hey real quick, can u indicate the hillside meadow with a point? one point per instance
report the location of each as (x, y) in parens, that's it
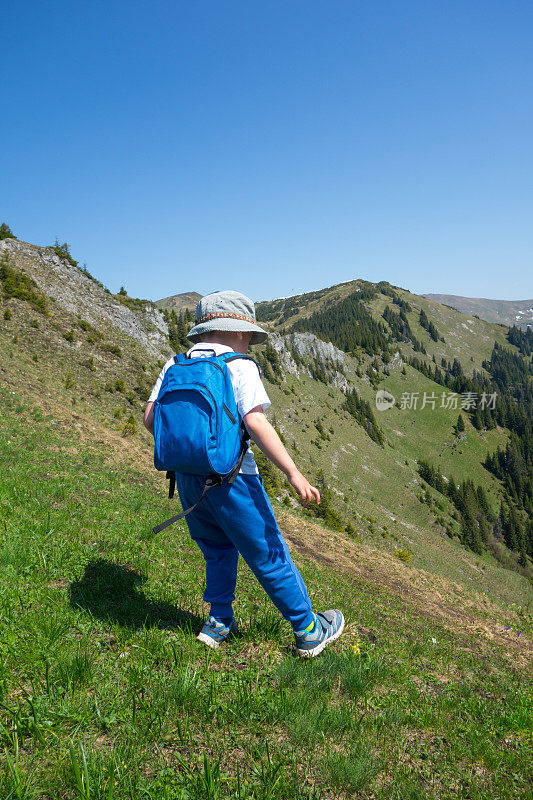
(105, 692)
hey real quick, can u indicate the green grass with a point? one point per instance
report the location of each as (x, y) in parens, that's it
(105, 692)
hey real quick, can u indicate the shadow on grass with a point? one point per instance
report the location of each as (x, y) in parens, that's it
(113, 592)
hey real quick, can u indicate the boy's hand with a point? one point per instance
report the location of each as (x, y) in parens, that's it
(307, 492)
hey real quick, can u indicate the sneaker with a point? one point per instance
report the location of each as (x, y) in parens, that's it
(329, 626)
(215, 632)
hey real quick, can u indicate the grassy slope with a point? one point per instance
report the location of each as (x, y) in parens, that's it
(353, 476)
(143, 698)
(97, 651)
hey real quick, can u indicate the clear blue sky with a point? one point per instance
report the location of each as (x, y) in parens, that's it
(273, 146)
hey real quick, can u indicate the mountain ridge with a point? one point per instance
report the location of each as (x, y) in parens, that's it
(504, 312)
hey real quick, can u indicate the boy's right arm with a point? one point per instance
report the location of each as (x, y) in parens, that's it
(149, 417)
(149, 410)
(266, 438)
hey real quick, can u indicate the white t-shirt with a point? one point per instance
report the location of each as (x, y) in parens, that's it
(247, 387)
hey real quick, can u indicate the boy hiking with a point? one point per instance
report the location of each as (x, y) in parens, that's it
(237, 518)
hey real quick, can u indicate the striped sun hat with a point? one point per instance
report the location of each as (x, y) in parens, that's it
(226, 311)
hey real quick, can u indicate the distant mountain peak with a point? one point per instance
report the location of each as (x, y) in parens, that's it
(504, 312)
(179, 302)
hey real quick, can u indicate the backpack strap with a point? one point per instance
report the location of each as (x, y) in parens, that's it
(212, 480)
(235, 356)
(231, 356)
(171, 476)
(244, 447)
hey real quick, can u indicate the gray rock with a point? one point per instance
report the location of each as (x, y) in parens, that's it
(309, 348)
(79, 294)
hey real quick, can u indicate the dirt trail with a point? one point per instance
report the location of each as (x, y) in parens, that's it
(476, 621)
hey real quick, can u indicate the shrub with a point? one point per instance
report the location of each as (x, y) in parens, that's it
(69, 381)
(350, 530)
(17, 284)
(69, 336)
(8, 314)
(94, 334)
(112, 348)
(120, 386)
(92, 278)
(34, 324)
(404, 555)
(322, 432)
(117, 413)
(35, 357)
(130, 426)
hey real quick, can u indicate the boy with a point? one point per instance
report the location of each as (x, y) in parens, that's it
(239, 518)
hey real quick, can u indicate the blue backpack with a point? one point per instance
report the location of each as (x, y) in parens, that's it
(196, 423)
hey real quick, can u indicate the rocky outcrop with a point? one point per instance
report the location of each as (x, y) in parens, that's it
(305, 352)
(78, 293)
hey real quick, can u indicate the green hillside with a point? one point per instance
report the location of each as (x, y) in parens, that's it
(106, 692)
(384, 332)
(98, 651)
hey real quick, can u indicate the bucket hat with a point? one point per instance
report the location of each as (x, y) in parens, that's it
(226, 311)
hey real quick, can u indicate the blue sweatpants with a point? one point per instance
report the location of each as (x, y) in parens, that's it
(239, 519)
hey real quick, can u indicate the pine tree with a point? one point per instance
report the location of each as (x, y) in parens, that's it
(6, 232)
